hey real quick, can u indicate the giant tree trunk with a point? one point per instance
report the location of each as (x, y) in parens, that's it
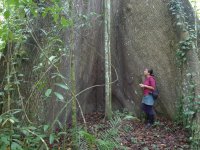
(190, 73)
(143, 35)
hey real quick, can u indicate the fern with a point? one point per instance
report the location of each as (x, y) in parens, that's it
(105, 140)
(109, 139)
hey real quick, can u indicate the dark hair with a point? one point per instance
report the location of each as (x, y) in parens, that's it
(150, 71)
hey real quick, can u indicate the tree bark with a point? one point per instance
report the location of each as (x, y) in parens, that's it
(73, 76)
(108, 107)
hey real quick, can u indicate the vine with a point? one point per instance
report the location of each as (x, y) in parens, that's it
(177, 9)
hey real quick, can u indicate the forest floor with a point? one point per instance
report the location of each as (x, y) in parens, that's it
(134, 135)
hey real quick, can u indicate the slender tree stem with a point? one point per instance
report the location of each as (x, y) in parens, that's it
(108, 93)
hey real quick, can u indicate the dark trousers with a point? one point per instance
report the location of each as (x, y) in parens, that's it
(150, 113)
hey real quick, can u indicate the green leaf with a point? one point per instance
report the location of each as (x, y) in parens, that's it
(64, 86)
(62, 133)
(48, 92)
(189, 113)
(20, 75)
(17, 82)
(32, 128)
(6, 14)
(55, 17)
(34, 11)
(13, 2)
(89, 137)
(65, 22)
(1, 93)
(45, 12)
(2, 46)
(10, 35)
(52, 58)
(57, 75)
(15, 112)
(12, 121)
(25, 132)
(5, 140)
(44, 31)
(45, 127)
(16, 146)
(59, 96)
(60, 124)
(179, 24)
(129, 117)
(16, 136)
(4, 122)
(145, 148)
(51, 138)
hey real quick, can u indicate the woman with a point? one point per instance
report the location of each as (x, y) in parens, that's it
(148, 101)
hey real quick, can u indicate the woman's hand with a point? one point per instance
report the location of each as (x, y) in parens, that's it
(142, 85)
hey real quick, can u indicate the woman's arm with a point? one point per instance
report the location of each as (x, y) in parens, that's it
(152, 84)
(146, 86)
(149, 87)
